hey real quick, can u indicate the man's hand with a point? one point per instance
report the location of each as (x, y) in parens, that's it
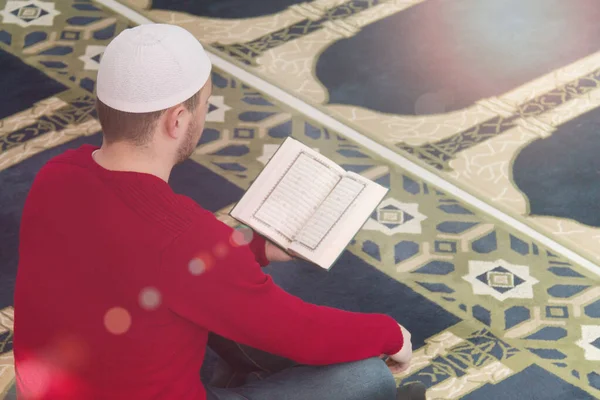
(400, 361)
(396, 367)
(275, 254)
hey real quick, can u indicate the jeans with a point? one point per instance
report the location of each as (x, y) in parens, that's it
(244, 373)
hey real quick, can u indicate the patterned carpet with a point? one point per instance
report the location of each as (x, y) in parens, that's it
(485, 93)
(494, 315)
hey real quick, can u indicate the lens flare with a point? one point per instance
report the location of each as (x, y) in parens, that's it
(117, 320)
(196, 266)
(69, 352)
(36, 377)
(221, 250)
(150, 298)
(241, 237)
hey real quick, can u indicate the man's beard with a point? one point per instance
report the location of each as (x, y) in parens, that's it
(189, 144)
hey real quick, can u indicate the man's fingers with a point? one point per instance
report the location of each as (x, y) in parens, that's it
(396, 367)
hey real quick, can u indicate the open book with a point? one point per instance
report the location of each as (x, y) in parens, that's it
(307, 204)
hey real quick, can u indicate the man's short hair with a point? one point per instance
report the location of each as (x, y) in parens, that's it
(136, 128)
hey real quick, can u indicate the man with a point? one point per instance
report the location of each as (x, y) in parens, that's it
(121, 281)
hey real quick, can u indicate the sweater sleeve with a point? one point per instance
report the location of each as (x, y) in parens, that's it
(258, 248)
(234, 298)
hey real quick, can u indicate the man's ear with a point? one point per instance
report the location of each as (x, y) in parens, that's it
(173, 121)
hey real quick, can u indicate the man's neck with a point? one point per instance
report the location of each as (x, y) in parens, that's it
(129, 158)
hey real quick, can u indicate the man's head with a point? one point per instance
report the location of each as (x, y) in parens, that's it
(153, 90)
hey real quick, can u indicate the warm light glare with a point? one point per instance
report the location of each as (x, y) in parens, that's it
(221, 250)
(150, 298)
(36, 377)
(241, 237)
(117, 320)
(197, 266)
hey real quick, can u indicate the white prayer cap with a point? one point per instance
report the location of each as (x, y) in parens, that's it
(150, 68)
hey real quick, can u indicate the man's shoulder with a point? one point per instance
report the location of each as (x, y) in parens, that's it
(202, 227)
(62, 169)
(188, 208)
(75, 156)
(60, 172)
(199, 218)
(149, 198)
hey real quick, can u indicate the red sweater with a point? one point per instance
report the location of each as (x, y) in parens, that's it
(108, 305)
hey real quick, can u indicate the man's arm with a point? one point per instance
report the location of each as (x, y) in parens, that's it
(265, 252)
(237, 300)
(258, 247)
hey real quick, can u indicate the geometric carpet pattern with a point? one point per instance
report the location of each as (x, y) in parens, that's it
(494, 315)
(483, 273)
(488, 94)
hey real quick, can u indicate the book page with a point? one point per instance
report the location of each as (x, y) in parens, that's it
(329, 212)
(295, 181)
(297, 195)
(338, 220)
